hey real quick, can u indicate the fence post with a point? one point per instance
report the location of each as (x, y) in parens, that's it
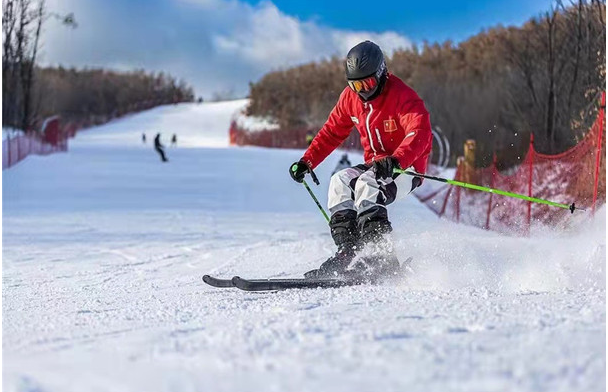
(18, 148)
(445, 201)
(598, 153)
(459, 174)
(458, 205)
(531, 166)
(491, 186)
(449, 192)
(8, 142)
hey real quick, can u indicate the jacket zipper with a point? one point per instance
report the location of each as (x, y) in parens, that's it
(369, 134)
(380, 140)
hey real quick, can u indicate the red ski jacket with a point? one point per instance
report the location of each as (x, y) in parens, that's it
(395, 123)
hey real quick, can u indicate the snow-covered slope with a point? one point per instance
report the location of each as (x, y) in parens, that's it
(196, 125)
(104, 248)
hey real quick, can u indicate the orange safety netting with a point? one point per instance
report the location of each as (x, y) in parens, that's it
(576, 175)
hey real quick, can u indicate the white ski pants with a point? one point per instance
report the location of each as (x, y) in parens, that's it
(356, 188)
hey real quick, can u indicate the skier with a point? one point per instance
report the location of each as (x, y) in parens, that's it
(143, 138)
(159, 148)
(343, 163)
(174, 140)
(395, 132)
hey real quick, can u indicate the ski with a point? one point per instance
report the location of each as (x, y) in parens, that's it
(297, 283)
(284, 284)
(274, 284)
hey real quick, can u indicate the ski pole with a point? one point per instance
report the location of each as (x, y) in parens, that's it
(316, 181)
(570, 207)
(316, 201)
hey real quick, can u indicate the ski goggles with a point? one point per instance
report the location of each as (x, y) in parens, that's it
(363, 85)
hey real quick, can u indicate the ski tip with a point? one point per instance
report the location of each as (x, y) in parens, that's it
(217, 282)
(210, 280)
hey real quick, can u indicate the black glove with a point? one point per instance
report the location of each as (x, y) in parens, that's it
(384, 167)
(298, 170)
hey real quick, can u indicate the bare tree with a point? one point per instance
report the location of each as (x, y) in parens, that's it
(22, 22)
(9, 21)
(547, 56)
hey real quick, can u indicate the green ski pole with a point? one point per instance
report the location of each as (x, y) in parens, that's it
(570, 207)
(316, 181)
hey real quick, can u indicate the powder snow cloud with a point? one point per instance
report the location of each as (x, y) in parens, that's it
(215, 45)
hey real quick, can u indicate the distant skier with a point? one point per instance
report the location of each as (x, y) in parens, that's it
(343, 163)
(174, 140)
(143, 138)
(395, 132)
(159, 148)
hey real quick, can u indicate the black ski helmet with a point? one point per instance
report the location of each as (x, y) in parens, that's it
(363, 61)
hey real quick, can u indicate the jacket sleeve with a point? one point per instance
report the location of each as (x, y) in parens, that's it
(335, 130)
(418, 138)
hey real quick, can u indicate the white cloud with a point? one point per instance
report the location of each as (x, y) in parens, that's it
(268, 37)
(389, 41)
(215, 45)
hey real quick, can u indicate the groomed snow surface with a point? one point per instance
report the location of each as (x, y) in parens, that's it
(104, 248)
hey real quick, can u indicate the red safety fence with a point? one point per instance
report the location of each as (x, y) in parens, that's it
(576, 175)
(53, 138)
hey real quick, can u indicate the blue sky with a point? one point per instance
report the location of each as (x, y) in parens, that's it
(434, 20)
(222, 45)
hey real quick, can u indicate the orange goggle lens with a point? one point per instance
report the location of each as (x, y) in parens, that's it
(363, 85)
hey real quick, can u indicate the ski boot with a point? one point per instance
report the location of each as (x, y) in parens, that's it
(343, 227)
(335, 266)
(378, 261)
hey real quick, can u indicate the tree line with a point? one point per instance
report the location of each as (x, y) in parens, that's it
(100, 94)
(31, 93)
(497, 87)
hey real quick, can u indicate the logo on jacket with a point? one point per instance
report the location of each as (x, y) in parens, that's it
(390, 125)
(355, 119)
